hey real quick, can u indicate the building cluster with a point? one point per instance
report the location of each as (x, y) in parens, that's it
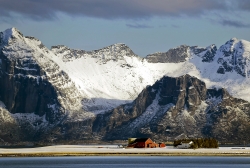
(179, 144)
(144, 143)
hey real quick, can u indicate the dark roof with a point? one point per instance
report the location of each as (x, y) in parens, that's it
(141, 140)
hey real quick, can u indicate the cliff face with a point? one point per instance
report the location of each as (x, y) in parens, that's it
(23, 90)
(25, 85)
(178, 108)
(33, 88)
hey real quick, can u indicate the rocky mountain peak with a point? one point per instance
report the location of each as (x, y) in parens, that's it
(181, 53)
(232, 41)
(67, 53)
(10, 34)
(118, 46)
(114, 52)
(60, 49)
(13, 32)
(206, 53)
(234, 55)
(174, 55)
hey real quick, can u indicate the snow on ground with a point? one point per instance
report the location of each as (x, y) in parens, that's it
(98, 149)
(34, 120)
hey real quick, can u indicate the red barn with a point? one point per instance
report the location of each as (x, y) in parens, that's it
(143, 143)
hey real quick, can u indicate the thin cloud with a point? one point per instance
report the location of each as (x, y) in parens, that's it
(139, 26)
(245, 5)
(110, 9)
(236, 24)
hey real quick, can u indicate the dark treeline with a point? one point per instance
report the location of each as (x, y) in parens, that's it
(199, 143)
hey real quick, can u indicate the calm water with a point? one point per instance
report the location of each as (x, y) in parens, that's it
(123, 161)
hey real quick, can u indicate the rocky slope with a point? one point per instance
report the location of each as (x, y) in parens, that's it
(178, 108)
(181, 54)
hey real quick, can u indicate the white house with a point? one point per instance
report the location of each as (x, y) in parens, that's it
(185, 144)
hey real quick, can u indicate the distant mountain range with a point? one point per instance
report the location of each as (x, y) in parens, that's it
(63, 94)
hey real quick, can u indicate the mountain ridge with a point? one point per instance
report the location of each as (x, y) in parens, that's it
(52, 91)
(72, 61)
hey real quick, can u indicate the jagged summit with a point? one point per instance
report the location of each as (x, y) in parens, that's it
(174, 55)
(9, 34)
(67, 53)
(12, 32)
(182, 53)
(60, 47)
(15, 45)
(13, 35)
(234, 39)
(113, 52)
(236, 44)
(206, 53)
(234, 55)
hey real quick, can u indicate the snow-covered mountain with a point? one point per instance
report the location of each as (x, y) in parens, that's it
(44, 87)
(107, 77)
(121, 74)
(26, 60)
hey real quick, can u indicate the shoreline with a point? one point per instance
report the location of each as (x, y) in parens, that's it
(124, 154)
(81, 150)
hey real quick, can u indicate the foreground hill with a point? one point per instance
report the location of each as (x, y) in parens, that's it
(179, 107)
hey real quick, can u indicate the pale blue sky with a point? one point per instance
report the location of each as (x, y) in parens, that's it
(146, 26)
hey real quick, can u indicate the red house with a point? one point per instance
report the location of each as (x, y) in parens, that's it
(161, 145)
(143, 143)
